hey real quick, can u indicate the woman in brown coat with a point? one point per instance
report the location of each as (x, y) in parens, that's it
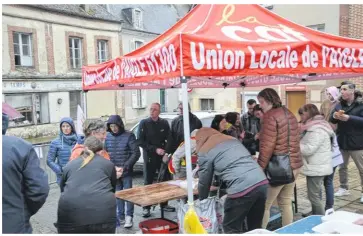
(273, 140)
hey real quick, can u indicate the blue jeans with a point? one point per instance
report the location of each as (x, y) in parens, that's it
(329, 190)
(124, 183)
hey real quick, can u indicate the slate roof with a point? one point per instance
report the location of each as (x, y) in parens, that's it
(157, 18)
(96, 11)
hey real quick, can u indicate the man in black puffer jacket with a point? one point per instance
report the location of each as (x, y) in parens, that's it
(124, 153)
(348, 115)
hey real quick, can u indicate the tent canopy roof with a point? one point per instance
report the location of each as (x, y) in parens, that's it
(244, 43)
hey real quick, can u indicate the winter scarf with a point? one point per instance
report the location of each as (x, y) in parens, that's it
(316, 120)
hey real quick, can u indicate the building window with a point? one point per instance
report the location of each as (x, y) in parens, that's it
(102, 50)
(34, 107)
(138, 99)
(207, 104)
(319, 27)
(138, 44)
(135, 44)
(137, 19)
(75, 99)
(22, 49)
(75, 52)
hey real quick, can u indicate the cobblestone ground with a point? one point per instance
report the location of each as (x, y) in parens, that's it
(43, 221)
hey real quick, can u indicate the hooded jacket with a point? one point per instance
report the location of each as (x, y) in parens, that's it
(60, 148)
(350, 132)
(122, 146)
(25, 184)
(228, 159)
(327, 105)
(316, 148)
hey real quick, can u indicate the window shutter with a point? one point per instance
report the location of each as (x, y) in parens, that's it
(143, 98)
(134, 98)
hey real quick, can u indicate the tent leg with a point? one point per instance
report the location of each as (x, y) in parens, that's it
(243, 100)
(85, 103)
(187, 138)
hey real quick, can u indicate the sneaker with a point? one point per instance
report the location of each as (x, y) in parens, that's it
(169, 208)
(122, 221)
(342, 192)
(128, 222)
(146, 213)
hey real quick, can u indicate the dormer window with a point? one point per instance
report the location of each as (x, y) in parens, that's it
(137, 18)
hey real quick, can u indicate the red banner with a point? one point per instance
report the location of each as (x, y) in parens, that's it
(231, 40)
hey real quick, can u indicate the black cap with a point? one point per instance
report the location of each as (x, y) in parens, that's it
(351, 84)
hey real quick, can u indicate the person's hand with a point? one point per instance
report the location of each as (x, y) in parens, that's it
(257, 136)
(341, 117)
(160, 151)
(242, 135)
(119, 171)
(165, 158)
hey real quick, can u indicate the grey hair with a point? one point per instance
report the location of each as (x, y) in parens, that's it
(93, 125)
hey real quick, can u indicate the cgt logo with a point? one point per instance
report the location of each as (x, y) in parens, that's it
(263, 33)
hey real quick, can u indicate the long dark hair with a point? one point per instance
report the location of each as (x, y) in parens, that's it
(231, 117)
(271, 96)
(215, 123)
(311, 109)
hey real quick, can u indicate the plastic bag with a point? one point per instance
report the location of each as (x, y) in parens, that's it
(206, 211)
(220, 212)
(192, 225)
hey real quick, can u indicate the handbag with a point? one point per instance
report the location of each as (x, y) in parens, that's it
(279, 171)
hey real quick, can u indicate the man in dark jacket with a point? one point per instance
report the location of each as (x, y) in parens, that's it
(348, 115)
(25, 184)
(251, 127)
(152, 137)
(176, 136)
(124, 153)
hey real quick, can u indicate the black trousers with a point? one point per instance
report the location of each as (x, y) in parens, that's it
(106, 228)
(150, 167)
(251, 205)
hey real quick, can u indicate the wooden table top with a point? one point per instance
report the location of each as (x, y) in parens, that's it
(153, 194)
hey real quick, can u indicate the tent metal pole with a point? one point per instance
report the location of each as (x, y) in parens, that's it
(188, 155)
(85, 103)
(243, 100)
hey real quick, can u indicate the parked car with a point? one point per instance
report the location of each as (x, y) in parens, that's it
(205, 117)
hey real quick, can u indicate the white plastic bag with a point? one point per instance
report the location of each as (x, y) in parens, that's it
(206, 210)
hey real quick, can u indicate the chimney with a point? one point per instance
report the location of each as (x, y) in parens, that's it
(85, 7)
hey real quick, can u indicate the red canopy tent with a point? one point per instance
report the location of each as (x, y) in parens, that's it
(229, 46)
